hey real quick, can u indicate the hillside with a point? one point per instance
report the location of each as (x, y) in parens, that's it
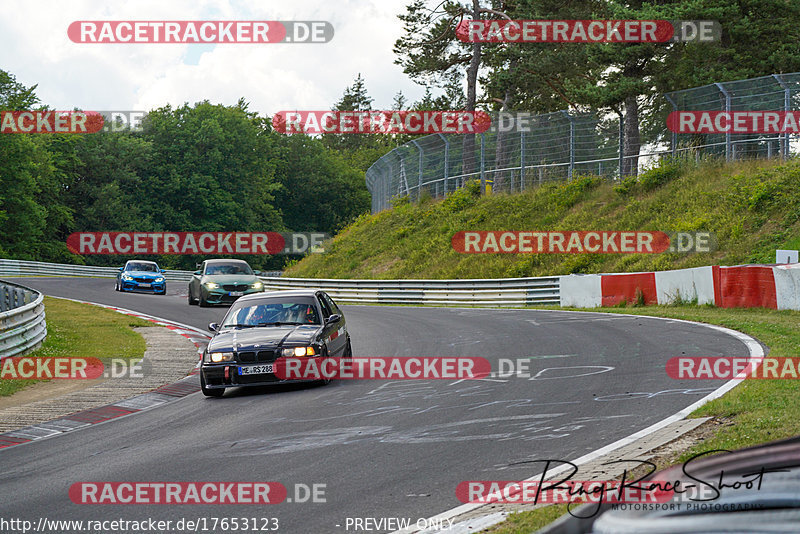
(753, 207)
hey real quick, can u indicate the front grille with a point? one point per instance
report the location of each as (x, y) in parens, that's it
(266, 356)
(247, 357)
(262, 356)
(236, 287)
(143, 280)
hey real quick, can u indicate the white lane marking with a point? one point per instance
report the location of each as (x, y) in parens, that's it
(756, 352)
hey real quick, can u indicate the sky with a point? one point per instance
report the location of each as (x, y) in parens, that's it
(35, 48)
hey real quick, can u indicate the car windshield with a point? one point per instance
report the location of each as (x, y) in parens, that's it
(228, 268)
(144, 267)
(272, 313)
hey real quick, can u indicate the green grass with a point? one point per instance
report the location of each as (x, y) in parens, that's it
(754, 412)
(753, 207)
(83, 330)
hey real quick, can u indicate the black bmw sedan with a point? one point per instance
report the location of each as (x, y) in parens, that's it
(263, 327)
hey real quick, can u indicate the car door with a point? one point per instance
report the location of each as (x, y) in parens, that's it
(328, 329)
(338, 332)
(194, 283)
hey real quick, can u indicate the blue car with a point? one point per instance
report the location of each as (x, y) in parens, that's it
(138, 275)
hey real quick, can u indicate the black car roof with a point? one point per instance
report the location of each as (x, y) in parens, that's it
(273, 294)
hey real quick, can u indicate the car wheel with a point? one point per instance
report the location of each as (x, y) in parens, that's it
(192, 300)
(324, 381)
(348, 351)
(116, 285)
(203, 302)
(207, 391)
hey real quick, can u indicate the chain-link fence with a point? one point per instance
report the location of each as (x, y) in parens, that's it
(524, 150)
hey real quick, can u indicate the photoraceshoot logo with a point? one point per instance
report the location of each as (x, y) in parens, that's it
(196, 242)
(381, 122)
(588, 31)
(199, 31)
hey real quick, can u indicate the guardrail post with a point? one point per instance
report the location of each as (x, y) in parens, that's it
(728, 147)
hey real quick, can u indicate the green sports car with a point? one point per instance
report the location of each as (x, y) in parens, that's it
(222, 282)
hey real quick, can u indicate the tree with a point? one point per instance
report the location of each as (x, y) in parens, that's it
(430, 53)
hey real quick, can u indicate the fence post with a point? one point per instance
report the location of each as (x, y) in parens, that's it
(521, 160)
(571, 143)
(787, 98)
(419, 178)
(621, 144)
(483, 164)
(674, 140)
(728, 146)
(446, 161)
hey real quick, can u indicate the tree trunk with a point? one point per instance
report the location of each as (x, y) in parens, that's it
(632, 143)
(468, 155)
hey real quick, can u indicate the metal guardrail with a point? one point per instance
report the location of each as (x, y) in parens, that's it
(504, 292)
(40, 268)
(22, 319)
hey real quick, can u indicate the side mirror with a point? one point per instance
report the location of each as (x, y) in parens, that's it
(257, 273)
(213, 327)
(121, 269)
(162, 270)
(333, 318)
(198, 273)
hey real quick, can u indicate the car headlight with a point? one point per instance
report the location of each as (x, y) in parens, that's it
(218, 357)
(257, 285)
(160, 279)
(126, 276)
(211, 285)
(298, 351)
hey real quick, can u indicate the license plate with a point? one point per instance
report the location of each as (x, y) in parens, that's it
(236, 293)
(145, 285)
(255, 369)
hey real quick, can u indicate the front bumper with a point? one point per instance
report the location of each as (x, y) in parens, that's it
(226, 375)
(222, 296)
(133, 285)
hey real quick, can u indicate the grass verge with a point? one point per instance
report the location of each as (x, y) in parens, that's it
(83, 330)
(756, 411)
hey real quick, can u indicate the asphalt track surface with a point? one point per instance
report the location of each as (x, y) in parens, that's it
(383, 449)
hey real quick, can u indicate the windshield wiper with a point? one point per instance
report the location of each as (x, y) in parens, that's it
(279, 323)
(239, 326)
